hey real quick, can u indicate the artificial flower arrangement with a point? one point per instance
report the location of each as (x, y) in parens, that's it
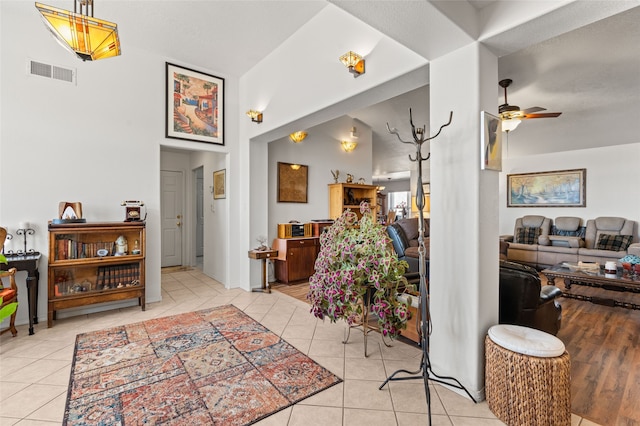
(356, 255)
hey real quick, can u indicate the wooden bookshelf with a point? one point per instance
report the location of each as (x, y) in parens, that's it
(86, 266)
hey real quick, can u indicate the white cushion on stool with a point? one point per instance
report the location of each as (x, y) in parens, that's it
(526, 341)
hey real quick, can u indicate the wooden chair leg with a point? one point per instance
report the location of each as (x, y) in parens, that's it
(12, 324)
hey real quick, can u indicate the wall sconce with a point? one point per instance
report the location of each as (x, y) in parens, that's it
(354, 62)
(297, 137)
(295, 166)
(348, 146)
(256, 116)
(88, 37)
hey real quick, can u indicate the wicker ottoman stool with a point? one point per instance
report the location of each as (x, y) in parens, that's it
(527, 376)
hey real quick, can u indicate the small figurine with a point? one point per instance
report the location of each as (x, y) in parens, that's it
(349, 178)
(361, 181)
(121, 245)
(335, 174)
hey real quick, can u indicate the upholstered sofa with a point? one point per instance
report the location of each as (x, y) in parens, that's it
(540, 242)
(404, 237)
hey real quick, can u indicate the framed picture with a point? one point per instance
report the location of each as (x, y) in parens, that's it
(292, 183)
(490, 142)
(562, 188)
(195, 105)
(219, 184)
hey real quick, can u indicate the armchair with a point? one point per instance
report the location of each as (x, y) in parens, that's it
(524, 301)
(9, 295)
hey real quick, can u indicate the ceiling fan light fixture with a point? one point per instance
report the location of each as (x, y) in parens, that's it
(510, 125)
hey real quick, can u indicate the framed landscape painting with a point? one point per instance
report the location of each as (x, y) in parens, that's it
(562, 188)
(194, 105)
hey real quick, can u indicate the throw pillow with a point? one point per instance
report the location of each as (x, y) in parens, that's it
(527, 235)
(614, 242)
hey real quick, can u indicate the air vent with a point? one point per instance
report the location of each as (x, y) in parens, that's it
(52, 71)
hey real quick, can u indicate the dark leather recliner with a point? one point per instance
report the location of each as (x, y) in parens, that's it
(525, 301)
(400, 244)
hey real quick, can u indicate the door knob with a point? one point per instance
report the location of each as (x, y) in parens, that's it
(178, 223)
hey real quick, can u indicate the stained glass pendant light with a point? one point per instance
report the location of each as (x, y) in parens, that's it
(78, 31)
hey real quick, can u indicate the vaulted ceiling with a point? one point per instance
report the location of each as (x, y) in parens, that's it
(575, 56)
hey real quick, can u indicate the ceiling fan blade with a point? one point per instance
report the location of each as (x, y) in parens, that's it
(533, 109)
(543, 115)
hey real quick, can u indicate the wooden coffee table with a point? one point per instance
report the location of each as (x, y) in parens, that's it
(622, 281)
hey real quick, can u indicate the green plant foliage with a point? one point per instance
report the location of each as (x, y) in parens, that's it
(8, 310)
(354, 256)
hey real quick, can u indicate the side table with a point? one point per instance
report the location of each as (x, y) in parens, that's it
(263, 255)
(27, 262)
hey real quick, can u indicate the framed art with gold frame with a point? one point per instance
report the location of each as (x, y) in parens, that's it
(219, 184)
(292, 183)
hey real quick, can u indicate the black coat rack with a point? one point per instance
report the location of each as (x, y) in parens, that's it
(424, 372)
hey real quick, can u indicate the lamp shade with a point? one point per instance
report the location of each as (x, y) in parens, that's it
(349, 146)
(298, 136)
(88, 37)
(510, 124)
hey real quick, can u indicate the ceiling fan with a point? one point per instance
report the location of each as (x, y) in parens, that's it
(512, 114)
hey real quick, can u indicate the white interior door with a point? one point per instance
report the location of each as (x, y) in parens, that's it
(171, 200)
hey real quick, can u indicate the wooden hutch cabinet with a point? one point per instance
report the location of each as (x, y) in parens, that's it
(344, 196)
(296, 258)
(94, 263)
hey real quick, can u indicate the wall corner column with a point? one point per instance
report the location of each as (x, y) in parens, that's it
(464, 216)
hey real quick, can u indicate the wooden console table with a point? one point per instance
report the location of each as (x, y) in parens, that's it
(29, 263)
(621, 281)
(263, 255)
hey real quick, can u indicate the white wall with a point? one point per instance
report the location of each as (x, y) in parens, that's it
(216, 217)
(322, 153)
(281, 88)
(97, 142)
(612, 175)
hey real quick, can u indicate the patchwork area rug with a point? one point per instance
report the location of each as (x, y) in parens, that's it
(215, 366)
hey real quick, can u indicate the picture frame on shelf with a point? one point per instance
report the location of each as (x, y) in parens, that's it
(194, 105)
(560, 188)
(219, 184)
(490, 142)
(292, 183)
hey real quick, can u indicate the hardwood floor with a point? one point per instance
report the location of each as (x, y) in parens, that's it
(297, 291)
(604, 345)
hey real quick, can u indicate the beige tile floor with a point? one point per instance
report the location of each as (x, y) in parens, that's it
(34, 370)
